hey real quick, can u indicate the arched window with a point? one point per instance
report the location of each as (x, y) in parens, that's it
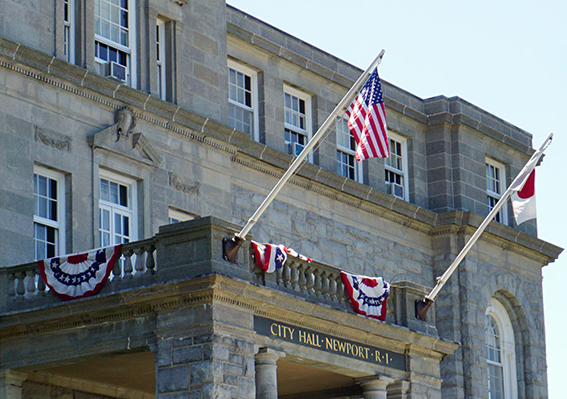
(500, 353)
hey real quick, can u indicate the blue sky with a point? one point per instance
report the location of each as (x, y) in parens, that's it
(507, 57)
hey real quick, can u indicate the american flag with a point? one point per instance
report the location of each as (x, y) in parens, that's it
(367, 121)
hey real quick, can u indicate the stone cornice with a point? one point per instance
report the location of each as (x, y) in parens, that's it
(459, 223)
(149, 301)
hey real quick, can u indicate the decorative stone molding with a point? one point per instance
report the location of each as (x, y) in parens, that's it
(53, 139)
(374, 387)
(126, 121)
(133, 145)
(192, 189)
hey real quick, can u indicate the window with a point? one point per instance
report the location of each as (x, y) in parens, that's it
(176, 216)
(115, 39)
(69, 30)
(396, 168)
(346, 147)
(297, 107)
(160, 58)
(117, 206)
(495, 186)
(49, 213)
(242, 99)
(500, 352)
(494, 359)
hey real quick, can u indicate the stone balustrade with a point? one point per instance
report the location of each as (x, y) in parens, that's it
(24, 283)
(315, 281)
(192, 249)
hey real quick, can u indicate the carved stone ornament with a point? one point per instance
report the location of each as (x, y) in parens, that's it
(175, 182)
(126, 122)
(53, 139)
(133, 144)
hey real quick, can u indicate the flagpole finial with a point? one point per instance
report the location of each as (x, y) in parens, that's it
(230, 247)
(421, 308)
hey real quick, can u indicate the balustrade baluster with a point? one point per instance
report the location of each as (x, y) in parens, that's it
(341, 294)
(295, 276)
(333, 287)
(150, 261)
(20, 288)
(286, 274)
(128, 263)
(117, 268)
(12, 284)
(139, 260)
(41, 287)
(317, 286)
(324, 285)
(310, 279)
(302, 274)
(30, 286)
(279, 274)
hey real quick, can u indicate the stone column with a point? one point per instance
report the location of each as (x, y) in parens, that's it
(374, 387)
(11, 384)
(266, 376)
(398, 390)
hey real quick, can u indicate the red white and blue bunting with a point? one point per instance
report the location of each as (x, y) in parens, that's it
(80, 275)
(271, 257)
(367, 294)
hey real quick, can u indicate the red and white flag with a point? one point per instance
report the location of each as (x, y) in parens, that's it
(80, 275)
(367, 294)
(367, 120)
(523, 200)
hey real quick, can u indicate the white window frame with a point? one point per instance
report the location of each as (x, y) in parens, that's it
(507, 347)
(161, 61)
(131, 210)
(253, 75)
(59, 224)
(176, 216)
(491, 163)
(341, 129)
(307, 132)
(131, 78)
(69, 31)
(390, 189)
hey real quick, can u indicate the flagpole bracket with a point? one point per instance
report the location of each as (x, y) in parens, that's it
(421, 308)
(230, 247)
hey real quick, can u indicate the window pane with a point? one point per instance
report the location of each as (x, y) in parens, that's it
(123, 195)
(117, 224)
(113, 193)
(42, 186)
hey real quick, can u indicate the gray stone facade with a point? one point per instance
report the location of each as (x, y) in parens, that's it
(185, 320)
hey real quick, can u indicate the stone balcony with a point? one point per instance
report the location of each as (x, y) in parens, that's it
(174, 317)
(192, 249)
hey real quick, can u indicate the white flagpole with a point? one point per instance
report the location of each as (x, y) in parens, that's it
(423, 305)
(230, 253)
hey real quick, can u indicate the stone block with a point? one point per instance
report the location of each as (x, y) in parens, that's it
(171, 379)
(187, 354)
(163, 355)
(215, 352)
(217, 391)
(206, 372)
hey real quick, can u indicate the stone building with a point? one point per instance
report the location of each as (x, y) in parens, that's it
(163, 124)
